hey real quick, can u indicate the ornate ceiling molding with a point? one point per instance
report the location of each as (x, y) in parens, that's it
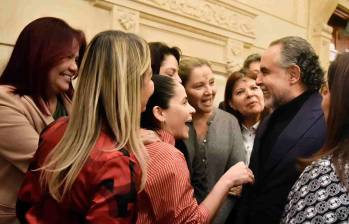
(209, 13)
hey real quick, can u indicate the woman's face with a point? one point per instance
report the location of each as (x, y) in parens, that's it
(326, 100)
(169, 67)
(247, 97)
(147, 88)
(201, 89)
(61, 75)
(178, 114)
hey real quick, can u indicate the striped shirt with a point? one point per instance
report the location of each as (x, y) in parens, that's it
(168, 196)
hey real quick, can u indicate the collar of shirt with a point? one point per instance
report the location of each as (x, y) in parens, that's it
(292, 107)
(252, 129)
(165, 136)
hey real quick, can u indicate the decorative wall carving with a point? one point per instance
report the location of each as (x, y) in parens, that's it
(209, 13)
(234, 55)
(125, 19)
(128, 19)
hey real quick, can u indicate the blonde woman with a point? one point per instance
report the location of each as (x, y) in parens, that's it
(88, 168)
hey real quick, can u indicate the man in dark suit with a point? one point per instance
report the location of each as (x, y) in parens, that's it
(290, 79)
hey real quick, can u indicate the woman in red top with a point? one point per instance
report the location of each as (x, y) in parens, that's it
(168, 196)
(88, 168)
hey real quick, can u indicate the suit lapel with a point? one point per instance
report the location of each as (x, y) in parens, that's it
(255, 155)
(304, 119)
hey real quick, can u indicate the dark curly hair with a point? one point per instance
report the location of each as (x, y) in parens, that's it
(297, 51)
(158, 51)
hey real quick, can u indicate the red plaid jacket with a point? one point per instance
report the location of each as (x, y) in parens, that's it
(104, 192)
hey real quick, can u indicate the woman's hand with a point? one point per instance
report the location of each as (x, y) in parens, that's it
(237, 175)
(148, 136)
(235, 191)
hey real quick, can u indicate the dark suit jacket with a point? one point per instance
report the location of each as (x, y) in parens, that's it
(264, 201)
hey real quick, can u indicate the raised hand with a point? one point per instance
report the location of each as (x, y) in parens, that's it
(238, 174)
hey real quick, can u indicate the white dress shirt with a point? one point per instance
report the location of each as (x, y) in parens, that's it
(248, 135)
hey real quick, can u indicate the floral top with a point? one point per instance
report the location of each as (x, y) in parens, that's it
(318, 196)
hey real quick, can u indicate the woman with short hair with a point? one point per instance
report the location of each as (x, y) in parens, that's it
(244, 99)
(165, 59)
(214, 137)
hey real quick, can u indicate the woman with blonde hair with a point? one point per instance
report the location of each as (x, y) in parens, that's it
(88, 168)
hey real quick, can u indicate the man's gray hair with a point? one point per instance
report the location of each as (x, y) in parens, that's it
(297, 51)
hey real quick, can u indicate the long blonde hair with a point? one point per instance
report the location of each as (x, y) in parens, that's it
(108, 94)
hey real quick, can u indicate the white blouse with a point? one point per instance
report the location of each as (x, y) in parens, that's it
(248, 135)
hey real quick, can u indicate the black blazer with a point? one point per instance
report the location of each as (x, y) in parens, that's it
(264, 201)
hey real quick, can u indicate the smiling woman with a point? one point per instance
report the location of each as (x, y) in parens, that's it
(214, 138)
(168, 111)
(89, 167)
(35, 89)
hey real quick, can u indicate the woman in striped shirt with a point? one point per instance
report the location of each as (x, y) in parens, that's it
(168, 196)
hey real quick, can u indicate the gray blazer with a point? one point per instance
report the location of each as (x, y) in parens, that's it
(222, 148)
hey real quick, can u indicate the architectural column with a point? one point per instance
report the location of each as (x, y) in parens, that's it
(319, 33)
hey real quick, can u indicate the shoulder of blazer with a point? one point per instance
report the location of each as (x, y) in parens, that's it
(23, 104)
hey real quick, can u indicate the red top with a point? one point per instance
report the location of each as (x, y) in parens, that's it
(168, 196)
(104, 192)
